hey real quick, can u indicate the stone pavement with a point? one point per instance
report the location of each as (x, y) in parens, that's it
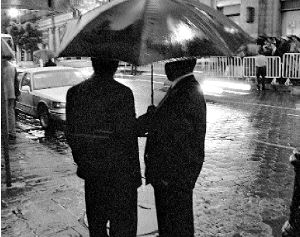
(47, 197)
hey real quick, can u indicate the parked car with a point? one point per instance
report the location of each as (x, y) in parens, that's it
(43, 93)
(84, 65)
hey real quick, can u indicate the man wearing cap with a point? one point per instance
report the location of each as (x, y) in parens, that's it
(174, 151)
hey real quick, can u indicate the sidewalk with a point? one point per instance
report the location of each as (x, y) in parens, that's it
(47, 198)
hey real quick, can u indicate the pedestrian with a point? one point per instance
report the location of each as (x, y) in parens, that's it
(261, 69)
(50, 63)
(100, 118)
(11, 92)
(174, 151)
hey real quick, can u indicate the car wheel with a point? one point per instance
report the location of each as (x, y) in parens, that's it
(44, 118)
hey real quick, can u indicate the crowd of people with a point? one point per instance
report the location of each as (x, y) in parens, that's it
(273, 46)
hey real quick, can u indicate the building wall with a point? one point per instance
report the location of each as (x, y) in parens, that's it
(272, 18)
(291, 23)
(250, 28)
(290, 11)
(211, 3)
(269, 18)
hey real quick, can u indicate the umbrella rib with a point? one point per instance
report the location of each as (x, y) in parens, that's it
(210, 30)
(148, 19)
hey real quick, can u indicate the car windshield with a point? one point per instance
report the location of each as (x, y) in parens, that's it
(52, 79)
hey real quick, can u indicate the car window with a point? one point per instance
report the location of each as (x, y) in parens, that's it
(52, 79)
(26, 80)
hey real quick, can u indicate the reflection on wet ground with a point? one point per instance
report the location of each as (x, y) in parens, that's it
(55, 140)
(246, 168)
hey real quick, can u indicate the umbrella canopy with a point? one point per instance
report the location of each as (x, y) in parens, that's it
(44, 54)
(6, 51)
(146, 31)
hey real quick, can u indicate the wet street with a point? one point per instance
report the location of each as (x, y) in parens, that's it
(244, 189)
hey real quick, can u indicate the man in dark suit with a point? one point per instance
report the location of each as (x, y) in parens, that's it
(175, 149)
(101, 133)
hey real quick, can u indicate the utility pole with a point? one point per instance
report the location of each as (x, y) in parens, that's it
(4, 135)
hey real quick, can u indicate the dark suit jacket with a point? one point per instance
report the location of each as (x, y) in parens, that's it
(175, 144)
(100, 131)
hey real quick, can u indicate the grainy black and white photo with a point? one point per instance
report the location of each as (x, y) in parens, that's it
(150, 118)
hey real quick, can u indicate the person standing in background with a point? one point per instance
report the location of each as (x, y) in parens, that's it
(11, 92)
(261, 69)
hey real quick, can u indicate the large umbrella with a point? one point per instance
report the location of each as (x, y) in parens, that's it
(145, 31)
(6, 51)
(44, 54)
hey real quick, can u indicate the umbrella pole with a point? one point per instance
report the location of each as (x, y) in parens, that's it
(152, 86)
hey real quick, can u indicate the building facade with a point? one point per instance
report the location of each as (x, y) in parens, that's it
(290, 17)
(273, 18)
(53, 27)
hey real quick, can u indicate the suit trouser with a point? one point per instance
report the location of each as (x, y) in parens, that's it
(261, 71)
(174, 209)
(116, 205)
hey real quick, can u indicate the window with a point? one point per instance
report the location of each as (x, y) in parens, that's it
(250, 14)
(26, 80)
(59, 78)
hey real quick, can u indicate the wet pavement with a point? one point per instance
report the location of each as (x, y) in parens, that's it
(244, 189)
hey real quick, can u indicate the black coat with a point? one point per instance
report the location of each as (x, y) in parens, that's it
(175, 144)
(100, 131)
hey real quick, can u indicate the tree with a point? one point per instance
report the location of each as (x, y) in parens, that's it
(31, 37)
(16, 31)
(25, 36)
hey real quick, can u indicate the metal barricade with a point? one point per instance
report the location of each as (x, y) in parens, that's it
(273, 69)
(291, 66)
(235, 67)
(249, 69)
(220, 67)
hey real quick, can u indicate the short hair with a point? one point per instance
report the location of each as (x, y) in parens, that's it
(104, 66)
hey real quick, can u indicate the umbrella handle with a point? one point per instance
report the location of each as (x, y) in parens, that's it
(152, 86)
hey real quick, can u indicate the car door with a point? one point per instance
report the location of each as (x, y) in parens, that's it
(25, 101)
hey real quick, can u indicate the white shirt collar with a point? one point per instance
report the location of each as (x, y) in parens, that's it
(180, 78)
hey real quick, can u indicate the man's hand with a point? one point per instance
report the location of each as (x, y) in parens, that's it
(151, 109)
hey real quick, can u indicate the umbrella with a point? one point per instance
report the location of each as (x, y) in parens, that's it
(145, 31)
(44, 54)
(6, 51)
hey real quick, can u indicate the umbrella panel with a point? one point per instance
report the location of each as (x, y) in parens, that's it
(145, 31)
